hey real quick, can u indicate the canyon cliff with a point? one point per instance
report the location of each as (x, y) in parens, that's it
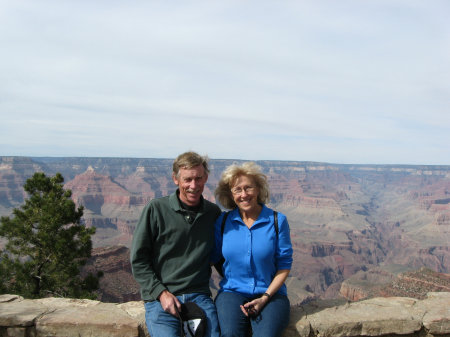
(345, 220)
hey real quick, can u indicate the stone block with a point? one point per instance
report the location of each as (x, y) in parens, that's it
(375, 317)
(20, 313)
(136, 310)
(16, 332)
(436, 309)
(9, 298)
(102, 320)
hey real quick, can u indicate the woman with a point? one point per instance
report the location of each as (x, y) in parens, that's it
(258, 258)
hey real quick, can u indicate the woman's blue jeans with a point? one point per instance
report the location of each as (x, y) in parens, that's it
(272, 320)
(163, 324)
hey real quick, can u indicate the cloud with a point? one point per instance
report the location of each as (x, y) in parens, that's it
(345, 81)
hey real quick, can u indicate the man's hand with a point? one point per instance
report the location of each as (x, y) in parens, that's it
(169, 303)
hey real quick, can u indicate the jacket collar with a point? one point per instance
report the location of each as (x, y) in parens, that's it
(175, 204)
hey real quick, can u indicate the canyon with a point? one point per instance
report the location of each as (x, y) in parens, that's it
(354, 228)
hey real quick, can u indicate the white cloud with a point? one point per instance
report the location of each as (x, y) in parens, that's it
(345, 81)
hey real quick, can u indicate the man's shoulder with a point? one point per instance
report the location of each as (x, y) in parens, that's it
(211, 207)
(159, 202)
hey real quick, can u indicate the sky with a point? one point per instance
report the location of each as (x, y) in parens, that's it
(349, 81)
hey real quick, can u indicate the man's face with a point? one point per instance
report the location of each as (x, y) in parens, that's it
(191, 183)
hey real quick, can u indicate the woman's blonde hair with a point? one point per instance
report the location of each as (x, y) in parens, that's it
(229, 177)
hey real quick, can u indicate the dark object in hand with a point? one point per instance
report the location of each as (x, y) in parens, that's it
(251, 311)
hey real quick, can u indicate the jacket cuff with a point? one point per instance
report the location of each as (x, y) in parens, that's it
(157, 291)
(284, 265)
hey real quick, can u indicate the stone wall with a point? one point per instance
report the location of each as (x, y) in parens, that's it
(393, 316)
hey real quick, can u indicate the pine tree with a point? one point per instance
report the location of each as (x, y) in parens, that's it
(47, 244)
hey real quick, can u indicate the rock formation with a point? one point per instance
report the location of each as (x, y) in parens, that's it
(344, 219)
(394, 316)
(117, 284)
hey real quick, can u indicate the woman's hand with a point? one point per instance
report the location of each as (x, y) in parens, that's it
(253, 308)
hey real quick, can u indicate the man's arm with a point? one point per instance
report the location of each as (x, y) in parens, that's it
(141, 258)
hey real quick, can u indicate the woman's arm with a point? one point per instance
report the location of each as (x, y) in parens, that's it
(283, 262)
(277, 281)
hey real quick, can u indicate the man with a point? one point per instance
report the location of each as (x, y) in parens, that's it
(171, 247)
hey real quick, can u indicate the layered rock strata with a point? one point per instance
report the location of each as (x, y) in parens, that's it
(344, 219)
(381, 283)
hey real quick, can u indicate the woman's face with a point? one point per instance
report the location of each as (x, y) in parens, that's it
(245, 193)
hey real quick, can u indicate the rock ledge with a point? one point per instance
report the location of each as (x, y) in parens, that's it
(392, 316)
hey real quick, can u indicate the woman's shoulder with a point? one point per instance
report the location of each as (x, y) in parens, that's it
(230, 212)
(266, 210)
(224, 215)
(272, 213)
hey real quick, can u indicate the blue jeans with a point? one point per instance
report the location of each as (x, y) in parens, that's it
(163, 324)
(272, 320)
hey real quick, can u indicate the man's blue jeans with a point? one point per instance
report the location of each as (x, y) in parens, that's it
(272, 320)
(163, 324)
